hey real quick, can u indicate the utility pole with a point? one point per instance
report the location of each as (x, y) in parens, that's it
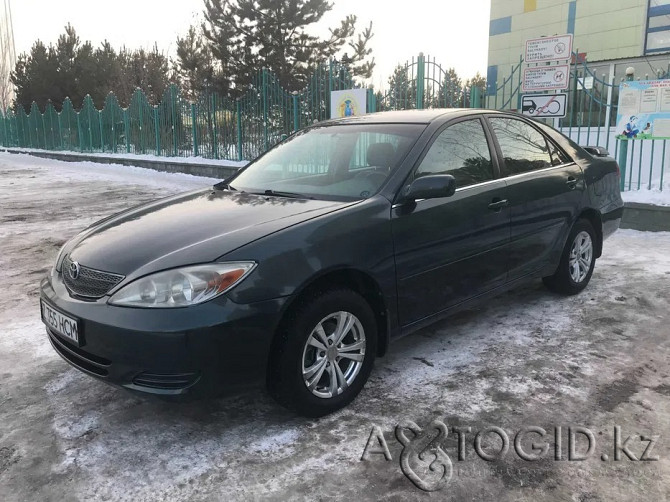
(7, 55)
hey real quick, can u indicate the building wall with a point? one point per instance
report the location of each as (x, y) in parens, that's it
(602, 29)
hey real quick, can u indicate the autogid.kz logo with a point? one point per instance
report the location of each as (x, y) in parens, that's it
(425, 462)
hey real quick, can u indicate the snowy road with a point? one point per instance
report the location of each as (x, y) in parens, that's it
(530, 358)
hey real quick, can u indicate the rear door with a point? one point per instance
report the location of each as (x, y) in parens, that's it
(452, 248)
(545, 190)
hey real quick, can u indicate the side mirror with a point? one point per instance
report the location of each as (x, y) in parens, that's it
(432, 186)
(597, 151)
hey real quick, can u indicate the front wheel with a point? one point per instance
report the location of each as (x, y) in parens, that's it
(577, 261)
(325, 353)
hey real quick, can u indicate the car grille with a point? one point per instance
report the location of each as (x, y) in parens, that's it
(79, 358)
(90, 283)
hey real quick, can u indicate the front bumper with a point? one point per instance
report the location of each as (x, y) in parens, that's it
(203, 350)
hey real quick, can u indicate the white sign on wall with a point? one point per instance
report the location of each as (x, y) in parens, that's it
(585, 83)
(546, 78)
(349, 103)
(558, 48)
(544, 105)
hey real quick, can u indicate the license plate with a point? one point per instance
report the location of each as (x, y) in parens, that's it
(59, 323)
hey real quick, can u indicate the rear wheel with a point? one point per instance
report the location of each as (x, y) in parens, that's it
(325, 353)
(577, 261)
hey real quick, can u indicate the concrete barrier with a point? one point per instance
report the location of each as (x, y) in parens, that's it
(646, 217)
(212, 169)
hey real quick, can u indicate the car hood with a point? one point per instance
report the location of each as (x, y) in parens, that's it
(195, 227)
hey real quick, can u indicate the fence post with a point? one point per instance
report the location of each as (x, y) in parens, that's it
(623, 158)
(296, 112)
(90, 132)
(60, 130)
(195, 130)
(420, 80)
(215, 132)
(158, 138)
(81, 136)
(113, 131)
(518, 87)
(140, 124)
(173, 104)
(265, 111)
(4, 130)
(102, 141)
(238, 106)
(126, 125)
(44, 130)
(329, 112)
(475, 97)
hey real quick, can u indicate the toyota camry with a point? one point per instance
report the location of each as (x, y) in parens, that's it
(299, 270)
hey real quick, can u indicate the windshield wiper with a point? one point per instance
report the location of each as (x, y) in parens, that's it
(224, 186)
(288, 195)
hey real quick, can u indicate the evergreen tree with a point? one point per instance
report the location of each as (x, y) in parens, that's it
(72, 69)
(450, 94)
(402, 90)
(476, 81)
(247, 35)
(35, 77)
(194, 67)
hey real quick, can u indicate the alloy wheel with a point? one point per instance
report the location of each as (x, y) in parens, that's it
(333, 354)
(581, 257)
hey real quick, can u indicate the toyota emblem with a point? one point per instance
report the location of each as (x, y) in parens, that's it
(74, 270)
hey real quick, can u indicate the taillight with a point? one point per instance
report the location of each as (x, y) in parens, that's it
(618, 170)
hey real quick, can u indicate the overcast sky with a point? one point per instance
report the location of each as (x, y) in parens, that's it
(456, 33)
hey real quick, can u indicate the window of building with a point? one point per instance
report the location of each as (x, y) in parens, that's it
(658, 27)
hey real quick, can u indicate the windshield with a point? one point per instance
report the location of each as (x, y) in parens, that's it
(331, 162)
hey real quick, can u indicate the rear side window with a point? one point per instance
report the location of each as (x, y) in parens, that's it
(462, 151)
(523, 147)
(557, 156)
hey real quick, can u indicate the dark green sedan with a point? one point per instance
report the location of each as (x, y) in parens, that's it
(298, 271)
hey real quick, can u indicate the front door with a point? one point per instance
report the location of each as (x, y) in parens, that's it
(453, 248)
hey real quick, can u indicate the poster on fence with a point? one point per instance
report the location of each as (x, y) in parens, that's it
(644, 110)
(349, 103)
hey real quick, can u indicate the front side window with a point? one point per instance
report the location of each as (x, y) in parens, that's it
(462, 151)
(523, 147)
(341, 162)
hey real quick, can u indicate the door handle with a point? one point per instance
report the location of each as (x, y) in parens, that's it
(572, 182)
(497, 204)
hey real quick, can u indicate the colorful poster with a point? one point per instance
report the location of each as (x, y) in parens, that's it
(644, 110)
(349, 103)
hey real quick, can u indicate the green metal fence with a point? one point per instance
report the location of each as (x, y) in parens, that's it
(217, 127)
(213, 126)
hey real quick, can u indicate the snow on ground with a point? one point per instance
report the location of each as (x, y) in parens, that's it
(654, 197)
(133, 156)
(529, 357)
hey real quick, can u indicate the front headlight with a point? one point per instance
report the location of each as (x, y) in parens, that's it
(182, 287)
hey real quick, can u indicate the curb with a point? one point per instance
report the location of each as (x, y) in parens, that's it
(646, 217)
(169, 166)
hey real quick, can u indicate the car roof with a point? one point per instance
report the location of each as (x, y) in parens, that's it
(407, 116)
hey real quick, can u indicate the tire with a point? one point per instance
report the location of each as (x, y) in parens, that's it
(295, 352)
(572, 274)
